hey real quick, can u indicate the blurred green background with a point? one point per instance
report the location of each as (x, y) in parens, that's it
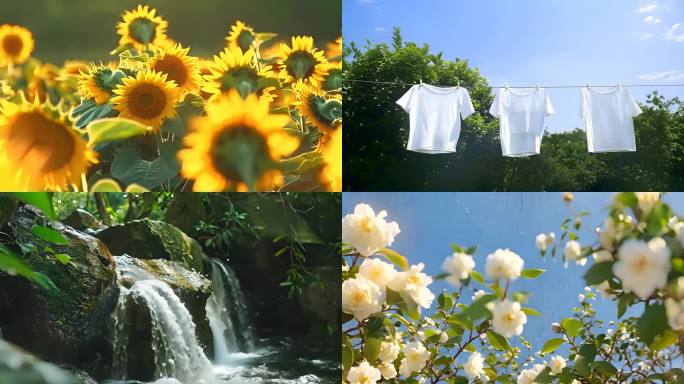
(86, 29)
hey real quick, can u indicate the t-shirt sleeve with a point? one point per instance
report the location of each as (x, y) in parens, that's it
(630, 105)
(549, 107)
(466, 105)
(495, 109)
(406, 101)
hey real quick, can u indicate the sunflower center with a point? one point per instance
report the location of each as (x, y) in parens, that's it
(238, 152)
(301, 65)
(147, 101)
(326, 110)
(245, 40)
(143, 30)
(333, 81)
(174, 68)
(38, 143)
(12, 45)
(245, 80)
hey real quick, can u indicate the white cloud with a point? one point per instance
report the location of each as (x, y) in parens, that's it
(380, 29)
(644, 36)
(663, 76)
(674, 33)
(648, 7)
(651, 19)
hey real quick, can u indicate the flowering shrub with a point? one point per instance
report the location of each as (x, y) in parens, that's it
(394, 332)
(637, 262)
(263, 114)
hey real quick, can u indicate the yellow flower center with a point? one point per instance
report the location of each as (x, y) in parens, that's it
(413, 279)
(174, 69)
(366, 224)
(510, 317)
(37, 143)
(360, 297)
(12, 45)
(147, 101)
(641, 262)
(301, 65)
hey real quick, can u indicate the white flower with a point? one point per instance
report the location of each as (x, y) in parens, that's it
(557, 364)
(388, 371)
(508, 319)
(412, 284)
(575, 381)
(587, 289)
(363, 373)
(541, 242)
(573, 250)
(609, 331)
(474, 367)
(415, 358)
(420, 336)
(603, 289)
(458, 266)
(504, 264)
(367, 232)
(643, 267)
(378, 272)
(602, 256)
(361, 298)
(389, 351)
(478, 294)
(608, 234)
(580, 297)
(421, 380)
(527, 376)
(675, 313)
(647, 200)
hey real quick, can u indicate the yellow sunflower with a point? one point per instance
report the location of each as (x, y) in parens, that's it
(142, 29)
(100, 81)
(332, 80)
(149, 98)
(321, 112)
(241, 36)
(234, 69)
(334, 51)
(16, 44)
(40, 149)
(331, 174)
(42, 78)
(73, 68)
(236, 146)
(179, 67)
(302, 63)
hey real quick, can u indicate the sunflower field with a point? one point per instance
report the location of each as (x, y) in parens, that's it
(265, 114)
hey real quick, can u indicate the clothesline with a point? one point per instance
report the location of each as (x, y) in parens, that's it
(527, 87)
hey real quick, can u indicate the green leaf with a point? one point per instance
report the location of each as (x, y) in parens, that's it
(532, 273)
(652, 323)
(371, 348)
(301, 164)
(624, 302)
(445, 301)
(395, 258)
(49, 234)
(531, 312)
(599, 272)
(665, 340)
(628, 199)
(44, 282)
(477, 276)
(571, 326)
(106, 185)
(605, 368)
(63, 258)
(552, 345)
(498, 342)
(114, 129)
(129, 168)
(40, 200)
(90, 111)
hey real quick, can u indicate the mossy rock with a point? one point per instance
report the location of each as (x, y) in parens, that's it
(150, 239)
(18, 366)
(67, 326)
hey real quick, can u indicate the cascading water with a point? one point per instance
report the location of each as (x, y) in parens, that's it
(177, 353)
(227, 313)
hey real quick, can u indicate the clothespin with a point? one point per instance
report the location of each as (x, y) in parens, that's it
(587, 85)
(537, 86)
(421, 80)
(507, 86)
(619, 85)
(458, 82)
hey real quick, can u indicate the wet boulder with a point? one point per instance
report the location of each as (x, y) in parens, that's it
(150, 239)
(67, 325)
(193, 290)
(18, 366)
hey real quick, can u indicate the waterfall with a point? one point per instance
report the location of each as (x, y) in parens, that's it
(177, 353)
(227, 313)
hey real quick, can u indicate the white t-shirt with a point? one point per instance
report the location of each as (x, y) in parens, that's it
(608, 116)
(521, 113)
(435, 114)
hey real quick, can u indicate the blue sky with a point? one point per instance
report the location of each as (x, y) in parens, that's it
(549, 42)
(430, 222)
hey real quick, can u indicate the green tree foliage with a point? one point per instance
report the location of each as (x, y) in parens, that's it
(375, 158)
